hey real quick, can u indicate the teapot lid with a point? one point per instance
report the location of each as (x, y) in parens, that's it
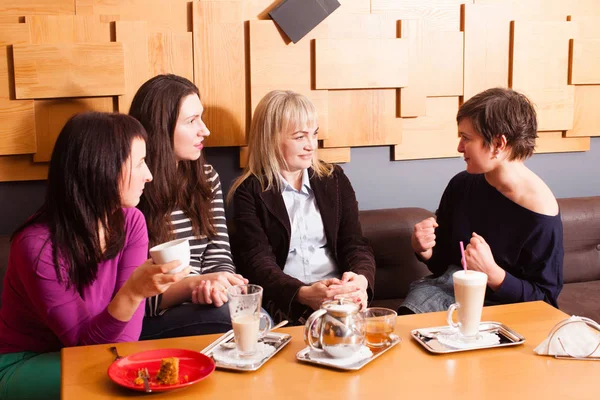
(340, 307)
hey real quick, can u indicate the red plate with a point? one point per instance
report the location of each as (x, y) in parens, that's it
(195, 365)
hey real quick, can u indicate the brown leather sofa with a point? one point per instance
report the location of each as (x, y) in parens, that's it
(389, 231)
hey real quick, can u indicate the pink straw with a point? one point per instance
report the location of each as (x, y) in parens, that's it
(462, 253)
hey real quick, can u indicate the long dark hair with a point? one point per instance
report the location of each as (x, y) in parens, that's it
(83, 194)
(180, 184)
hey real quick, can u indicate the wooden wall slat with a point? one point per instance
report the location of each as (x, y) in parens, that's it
(21, 168)
(76, 70)
(17, 130)
(444, 52)
(134, 37)
(486, 27)
(51, 116)
(57, 29)
(554, 142)
(219, 70)
(354, 7)
(33, 7)
(275, 65)
(412, 97)
(335, 155)
(14, 34)
(586, 26)
(586, 62)
(363, 118)
(587, 117)
(434, 135)
(171, 53)
(161, 15)
(441, 15)
(540, 70)
(361, 63)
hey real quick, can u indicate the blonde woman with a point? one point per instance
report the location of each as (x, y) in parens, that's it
(297, 232)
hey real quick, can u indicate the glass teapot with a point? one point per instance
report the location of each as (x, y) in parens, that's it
(338, 328)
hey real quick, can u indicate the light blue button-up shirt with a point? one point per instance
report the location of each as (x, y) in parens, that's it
(308, 260)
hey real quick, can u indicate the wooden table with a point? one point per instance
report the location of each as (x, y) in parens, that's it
(407, 371)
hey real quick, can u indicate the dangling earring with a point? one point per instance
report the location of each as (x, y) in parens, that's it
(495, 154)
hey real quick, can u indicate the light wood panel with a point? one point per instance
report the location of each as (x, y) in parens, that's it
(587, 117)
(275, 65)
(412, 97)
(361, 63)
(219, 70)
(44, 71)
(535, 10)
(9, 34)
(57, 29)
(161, 15)
(485, 27)
(363, 118)
(434, 135)
(554, 142)
(51, 116)
(540, 70)
(334, 155)
(21, 168)
(11, 19)
(586, 26)
(354, 7)
(441, 15)
(31, 7)
(356, 26)
(171, 53)
(445, 63)
(134, 37)
(585, 68)
(17, 130)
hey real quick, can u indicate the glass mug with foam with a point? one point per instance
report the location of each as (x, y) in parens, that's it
(244, 302)
(469, 292)
(178, 249)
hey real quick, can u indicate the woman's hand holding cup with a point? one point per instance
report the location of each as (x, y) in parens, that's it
(150, 279)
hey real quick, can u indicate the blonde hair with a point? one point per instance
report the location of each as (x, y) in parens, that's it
(279, 112)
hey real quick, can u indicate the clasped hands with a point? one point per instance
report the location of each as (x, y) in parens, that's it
(351, 286)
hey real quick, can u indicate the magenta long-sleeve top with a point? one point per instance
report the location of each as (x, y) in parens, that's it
(40, 314)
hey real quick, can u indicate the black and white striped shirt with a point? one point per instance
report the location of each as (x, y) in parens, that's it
(207, 256)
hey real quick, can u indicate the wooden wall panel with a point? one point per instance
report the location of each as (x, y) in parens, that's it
(485, 27)
(219, 70)
(554, 142)
(10, 34)
(441, 15)
(133, 35)
(586, 26)
(585, 68)
(434, 135)
(363, 118)
(57, 29)
(276, 65)
(412, 97)
(587, 117)
(540, 70)
(51, 116)
(32, 7)
(45, 71)
(354, 7)
(337, 155)
(21, 168)
(171, 53)
(161, 15)
(445, 58)
(361, 63)
(17, 130)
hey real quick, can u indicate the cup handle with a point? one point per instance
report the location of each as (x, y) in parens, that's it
(308, 337)
(449, 318)
(267, 328)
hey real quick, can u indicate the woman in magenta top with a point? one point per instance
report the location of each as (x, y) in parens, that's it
(77, 270)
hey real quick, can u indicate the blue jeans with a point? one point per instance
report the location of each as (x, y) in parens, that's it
(431, 294)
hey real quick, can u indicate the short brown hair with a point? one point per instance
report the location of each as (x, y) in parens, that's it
(498, 111)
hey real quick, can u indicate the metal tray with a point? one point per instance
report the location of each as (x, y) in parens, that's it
(278, 340)
(427, 338)
(303, 355)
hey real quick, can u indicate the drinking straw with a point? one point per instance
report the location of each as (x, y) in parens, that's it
(462, 253)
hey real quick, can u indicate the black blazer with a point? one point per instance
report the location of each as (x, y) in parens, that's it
(260, 236)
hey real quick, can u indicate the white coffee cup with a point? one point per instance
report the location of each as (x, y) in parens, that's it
(469, 292)
(178, 249)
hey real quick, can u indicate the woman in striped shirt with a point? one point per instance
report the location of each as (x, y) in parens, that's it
(184, 201)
